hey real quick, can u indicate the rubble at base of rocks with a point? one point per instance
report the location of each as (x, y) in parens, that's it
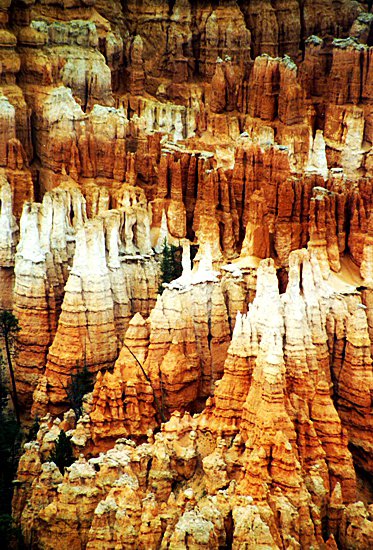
(229, 406)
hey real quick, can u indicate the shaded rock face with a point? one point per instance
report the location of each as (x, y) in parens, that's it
(108, 281)
(228, 410)
(284, 450)
(271, 439)
(276, 360)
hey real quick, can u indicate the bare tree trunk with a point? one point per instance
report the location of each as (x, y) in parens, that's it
(15, 397)
(156, 402)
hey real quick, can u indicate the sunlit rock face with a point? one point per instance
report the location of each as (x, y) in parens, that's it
(186, 214)
(270, 439)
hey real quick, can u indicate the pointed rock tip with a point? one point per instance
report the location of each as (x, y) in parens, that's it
(137, 319)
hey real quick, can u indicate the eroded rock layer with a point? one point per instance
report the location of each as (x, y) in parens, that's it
(229, 404)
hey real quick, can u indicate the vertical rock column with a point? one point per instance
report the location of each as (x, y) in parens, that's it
(8, 241)
(31, 291)
(86, 329)
(41, 271)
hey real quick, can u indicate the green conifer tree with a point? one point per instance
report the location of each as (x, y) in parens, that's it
(8, 328)
(62, 453)
(170, 264)
(10, 450)
(79, 384)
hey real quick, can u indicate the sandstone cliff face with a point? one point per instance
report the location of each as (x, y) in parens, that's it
(288, 467)
(280, 375)
(41, 270)
(241, 132)
(168, 363)
(9, 227)
(110, 278)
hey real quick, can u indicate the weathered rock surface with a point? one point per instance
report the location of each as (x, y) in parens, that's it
(8, 228)
(169, 362)
(100, 294)
(242, 132)
(41, 270)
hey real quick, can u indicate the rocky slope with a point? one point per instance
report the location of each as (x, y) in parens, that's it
(230, 410)
(266, 461)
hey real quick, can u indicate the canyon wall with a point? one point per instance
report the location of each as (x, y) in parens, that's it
(231, 405)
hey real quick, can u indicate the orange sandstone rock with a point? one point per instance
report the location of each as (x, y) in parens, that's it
(41, 270)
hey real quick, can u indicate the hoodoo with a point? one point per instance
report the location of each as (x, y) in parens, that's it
(186, 255)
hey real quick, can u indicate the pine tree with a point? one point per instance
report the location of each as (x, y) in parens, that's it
(62, 453)
(166, 264)
(176, 254)
(33, 430)
(170, 265)
(79, 384)
(8, 328)
(10, 450)
(4, 391)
